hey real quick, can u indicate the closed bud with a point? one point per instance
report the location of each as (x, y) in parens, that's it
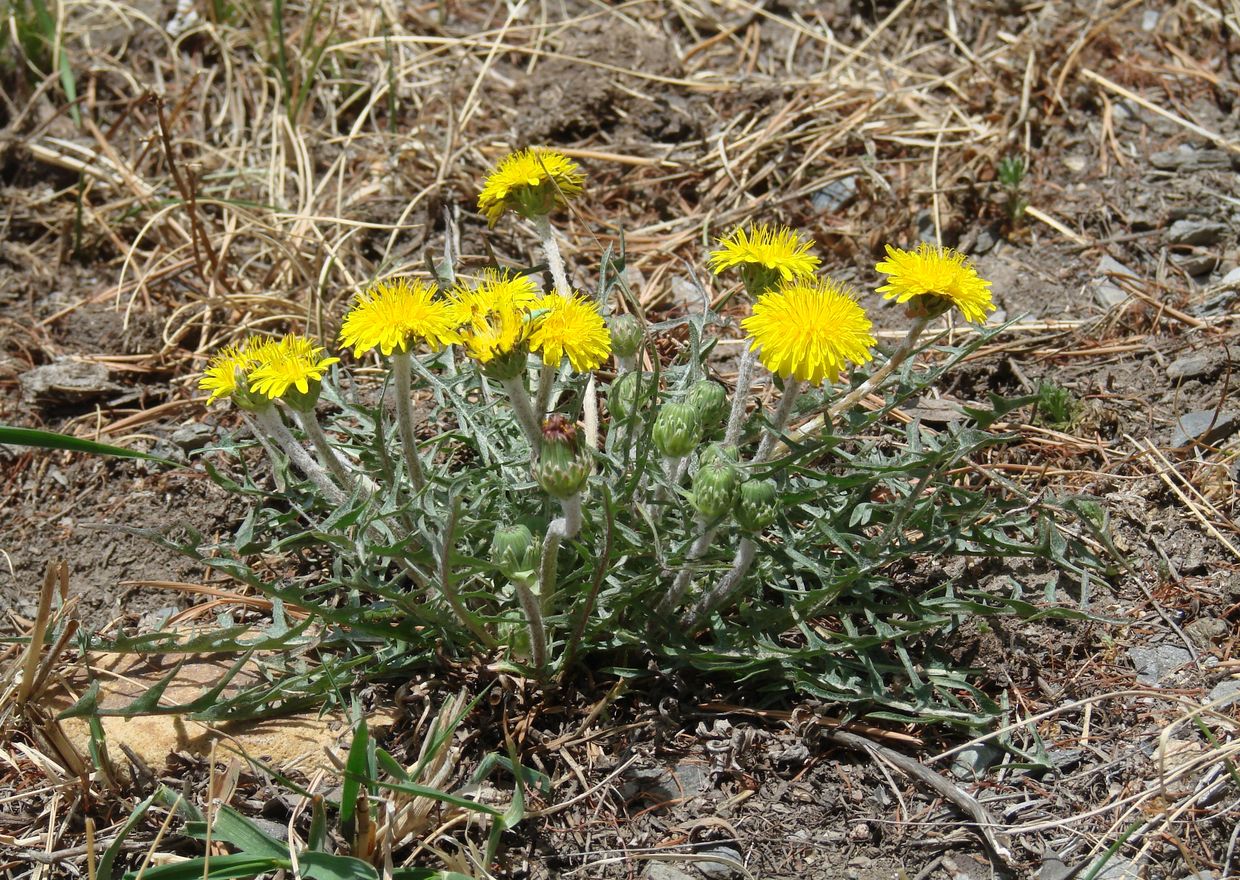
(506, 366)
(710, 399)
(562, 467)
(755, 506)
(626, 335)
(628, 394)
(677, 430)
(512, 549)
(714, 486)
(719, 452)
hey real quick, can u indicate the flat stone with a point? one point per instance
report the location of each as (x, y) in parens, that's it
(986, 240)
(1231, 279)
(1187, 158)
(937, 410)
(1205, 632)
(192, 436)
(835, 195)
(720, 870)
(1106, 292)
(66, 382)
(663, 871)
(1199, 232)
(1155, 663)
(1225, 693)
(1119, 868)
(972, 763)
(1205, 426)
(1194, 364)
(1196, 263)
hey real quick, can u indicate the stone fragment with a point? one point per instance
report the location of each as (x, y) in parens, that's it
(1155, 663)
(1195, 264)
(720, 870)
(66, 382)
(1119, 868)
(1196, 232)
(972, 763)
(1205, 426)
(835, 195)
(1205, 632)
(1225, 693)
(192, 436)
(1188, 158)
(1194, 364)
(1107, 292)
(663, 871)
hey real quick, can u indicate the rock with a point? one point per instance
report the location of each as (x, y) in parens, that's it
(1149, 20)
(1119, 868)
(661, 871)
(1205, 632)
(986, 241)
(1225, 693)
(1231, 279)
(1194, 364)
(835, 195)
(1199, 232)
(1154, 664)
(66, 382)
(972, 763)
(1195, 264)
(1106, 292)
(1187, 158)
(1205, 426)
(720, 870)
(937, 410)
(686, 293)
(192, 436)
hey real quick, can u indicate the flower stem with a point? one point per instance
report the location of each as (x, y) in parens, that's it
(527, 417)
(404, 417)
(555, 262)
(323, 448)
(792, 390)
(589, 414)
(681, 585)
(744, 378)
(534, 621)
(269, 422)
(725, 588)
(560, 529)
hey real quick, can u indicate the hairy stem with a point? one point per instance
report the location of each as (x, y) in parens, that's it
(534, 622)
(404, 418)
(527, 416)
(725, 588)
(681, 585)
(744, 378)
(323, 448)
(269, 422)
(792, 390)
(555, 262)
(560, 529)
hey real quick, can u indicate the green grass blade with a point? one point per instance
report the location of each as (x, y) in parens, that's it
(37, 439)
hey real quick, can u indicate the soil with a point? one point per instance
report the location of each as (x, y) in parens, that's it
(1129, 304)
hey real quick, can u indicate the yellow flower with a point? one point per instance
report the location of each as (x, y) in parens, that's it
(531, 182)
(499, 290)
(393, 314)
(765, 256)
(293, 362)
(228, 368)
(809, 330)
(940, 273)
(572, 328)
(496, 334)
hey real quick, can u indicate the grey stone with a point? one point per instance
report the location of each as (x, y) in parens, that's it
(1106, 292)
(1149, 20)
(972, 763)
(1206, 631)
(835, 195)
(1203, 232)
(67, 381)
(1194, 364)
(1231, 279)
(193, 435)
(1205, 426)
(1187, 158)
(986, 241)
(1119, 868)
(686, 293)
(1225, 693)
(662, 871)
(1196, 263)
(721, 870)
(1155, 663)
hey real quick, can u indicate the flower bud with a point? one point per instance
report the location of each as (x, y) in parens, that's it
(628, 394)
(755, 506)
(714, 486)
(677, 430)
(562, 467)
(626, 335)
(721, 452)
(710, 399)
(512, 549)
(508, 365)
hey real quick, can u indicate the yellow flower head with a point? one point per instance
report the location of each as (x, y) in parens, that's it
(293, 362)
(531, 182)
(572, 328)
(765, 255)
(809, 330)
(499, 290)
(939, 273)
(226, 372)
(394, 314)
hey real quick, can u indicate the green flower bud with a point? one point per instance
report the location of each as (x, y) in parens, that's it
(512, 549)
(714, 486)
(677, 430)
(626, 335)
(562, 467)
(303, 403)
(710, 399)
(719, 452)
(756, 506)
(628, 394)
(509, 365)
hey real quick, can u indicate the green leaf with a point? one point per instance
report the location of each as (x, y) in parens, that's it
(108, 860)
(324, 866)
(355, 773)
(437, 795)
(231, 827)
(51, 440)
(241, 866)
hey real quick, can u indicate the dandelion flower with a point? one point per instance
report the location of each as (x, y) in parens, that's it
(531, 182)
(226, 372)
(572, 328)
(940, 273)
(293, 362)
(393, 314)
(809, 330)
(499, 290)
(765, 255)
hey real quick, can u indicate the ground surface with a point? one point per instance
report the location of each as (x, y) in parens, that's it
(857, 123)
